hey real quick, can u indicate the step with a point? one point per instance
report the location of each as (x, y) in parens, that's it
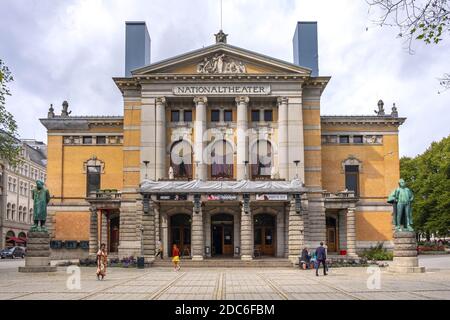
(227, 263)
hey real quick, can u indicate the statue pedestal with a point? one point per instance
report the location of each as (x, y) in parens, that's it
(405, 253)
(37, 258)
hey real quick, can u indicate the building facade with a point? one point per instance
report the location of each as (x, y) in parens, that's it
(224, 152)
(16, 202)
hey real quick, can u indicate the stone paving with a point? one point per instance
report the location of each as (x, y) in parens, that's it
(223, 284)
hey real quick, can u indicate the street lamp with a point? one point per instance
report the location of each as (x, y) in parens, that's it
(297, 162)
(146, 163)
(196, 169)
(245, 170)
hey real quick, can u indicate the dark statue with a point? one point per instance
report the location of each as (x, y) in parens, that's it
(401, 200)
(41, 197)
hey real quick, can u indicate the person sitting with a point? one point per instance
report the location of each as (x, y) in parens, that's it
(305, 259)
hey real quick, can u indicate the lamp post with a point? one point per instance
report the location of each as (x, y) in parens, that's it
(146, 163)
(297, 162)
(245, 170)
(196, 169)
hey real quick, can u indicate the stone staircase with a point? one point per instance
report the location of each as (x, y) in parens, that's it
(226, 263)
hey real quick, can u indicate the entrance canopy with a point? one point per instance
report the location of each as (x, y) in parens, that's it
(244, 186)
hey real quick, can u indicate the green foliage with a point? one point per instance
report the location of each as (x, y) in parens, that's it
(428, 176)
(9, 148)
(377, 253)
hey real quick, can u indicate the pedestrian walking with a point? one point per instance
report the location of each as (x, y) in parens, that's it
(159, 249)
(102, 261)
(321, 256)
(305, 259)
(176, 257)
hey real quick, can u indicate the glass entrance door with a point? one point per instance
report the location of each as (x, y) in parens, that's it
(180, 234)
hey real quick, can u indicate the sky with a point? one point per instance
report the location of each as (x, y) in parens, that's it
(71, 49)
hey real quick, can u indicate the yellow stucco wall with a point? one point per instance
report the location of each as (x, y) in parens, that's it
(74, 177)
(380, 165)
(72, 226)
(373, 226)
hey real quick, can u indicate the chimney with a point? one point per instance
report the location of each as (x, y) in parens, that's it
(306, 53)
(137, 46)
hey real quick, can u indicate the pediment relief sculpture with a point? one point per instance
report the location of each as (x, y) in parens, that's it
(221, 63)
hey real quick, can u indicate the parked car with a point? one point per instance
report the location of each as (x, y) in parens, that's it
(12, 253)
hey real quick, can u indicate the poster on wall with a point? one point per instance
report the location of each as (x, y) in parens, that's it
(222, 197)
(271, 197)
(173, 197)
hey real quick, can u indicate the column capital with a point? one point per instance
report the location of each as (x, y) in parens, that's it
(160, 100)
(242, 99)
(282, 100)
(200, 100)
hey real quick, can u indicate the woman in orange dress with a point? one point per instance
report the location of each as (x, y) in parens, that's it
(102, 261)
(176, 257)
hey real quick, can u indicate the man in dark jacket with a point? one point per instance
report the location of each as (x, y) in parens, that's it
(321, 256)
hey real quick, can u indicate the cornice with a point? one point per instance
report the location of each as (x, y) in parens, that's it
(363, 120)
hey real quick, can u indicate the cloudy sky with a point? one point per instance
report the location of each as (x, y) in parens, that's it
(70, 50)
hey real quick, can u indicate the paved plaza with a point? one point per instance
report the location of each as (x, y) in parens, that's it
(227, 284)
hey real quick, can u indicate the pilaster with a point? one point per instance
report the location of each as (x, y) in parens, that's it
(242, 139)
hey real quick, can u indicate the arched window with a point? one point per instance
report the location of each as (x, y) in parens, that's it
(31, 215)
(181, 159)
(222, 160)
(261, 159)
(24, 214)
(9, 239)
(8, 212)
(13, 212)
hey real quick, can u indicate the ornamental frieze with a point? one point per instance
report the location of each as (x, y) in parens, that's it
(221, 63)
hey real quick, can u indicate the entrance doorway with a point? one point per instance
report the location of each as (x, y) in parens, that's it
(222, 234)
(113, 237)
(332, 234)
(180, 233)
(265, 234)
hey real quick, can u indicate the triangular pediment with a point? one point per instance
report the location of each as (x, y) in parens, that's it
(222, 59)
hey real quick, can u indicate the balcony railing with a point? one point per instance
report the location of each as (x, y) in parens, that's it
(106, 194)
(340, 195)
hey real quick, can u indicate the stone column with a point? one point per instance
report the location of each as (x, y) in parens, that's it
(200, 129)
(104, 230)
(160, 138)
(283, 152)
(148, 223)
(130, 236)
(280, 233)
(93, 232)
(316, 224)
(242, 126)
(198, 241)
(246, 235)
(165, 234)
(351, 233)
(236, 233)
(208, 233)
(295, 138)
(295, 231)
(157, 225)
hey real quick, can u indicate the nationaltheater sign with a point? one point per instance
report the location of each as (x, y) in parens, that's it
(231, 89)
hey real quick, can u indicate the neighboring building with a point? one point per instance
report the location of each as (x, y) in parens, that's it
(179, 166)
(16, 203)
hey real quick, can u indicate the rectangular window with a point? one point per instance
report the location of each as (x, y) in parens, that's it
(87, 140)
(344, 139)
(228, 115)
(215, 115)
(255, 115)
(352, 179)
(93, 179)
(175, 116)
(268, 116)
(358, 139)
(101, 140)
(187, 116)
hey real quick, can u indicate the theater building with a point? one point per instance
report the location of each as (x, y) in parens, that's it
(225, 152)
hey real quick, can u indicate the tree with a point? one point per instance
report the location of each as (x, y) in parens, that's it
(422, 20)
(428, 176)
(10, 148)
